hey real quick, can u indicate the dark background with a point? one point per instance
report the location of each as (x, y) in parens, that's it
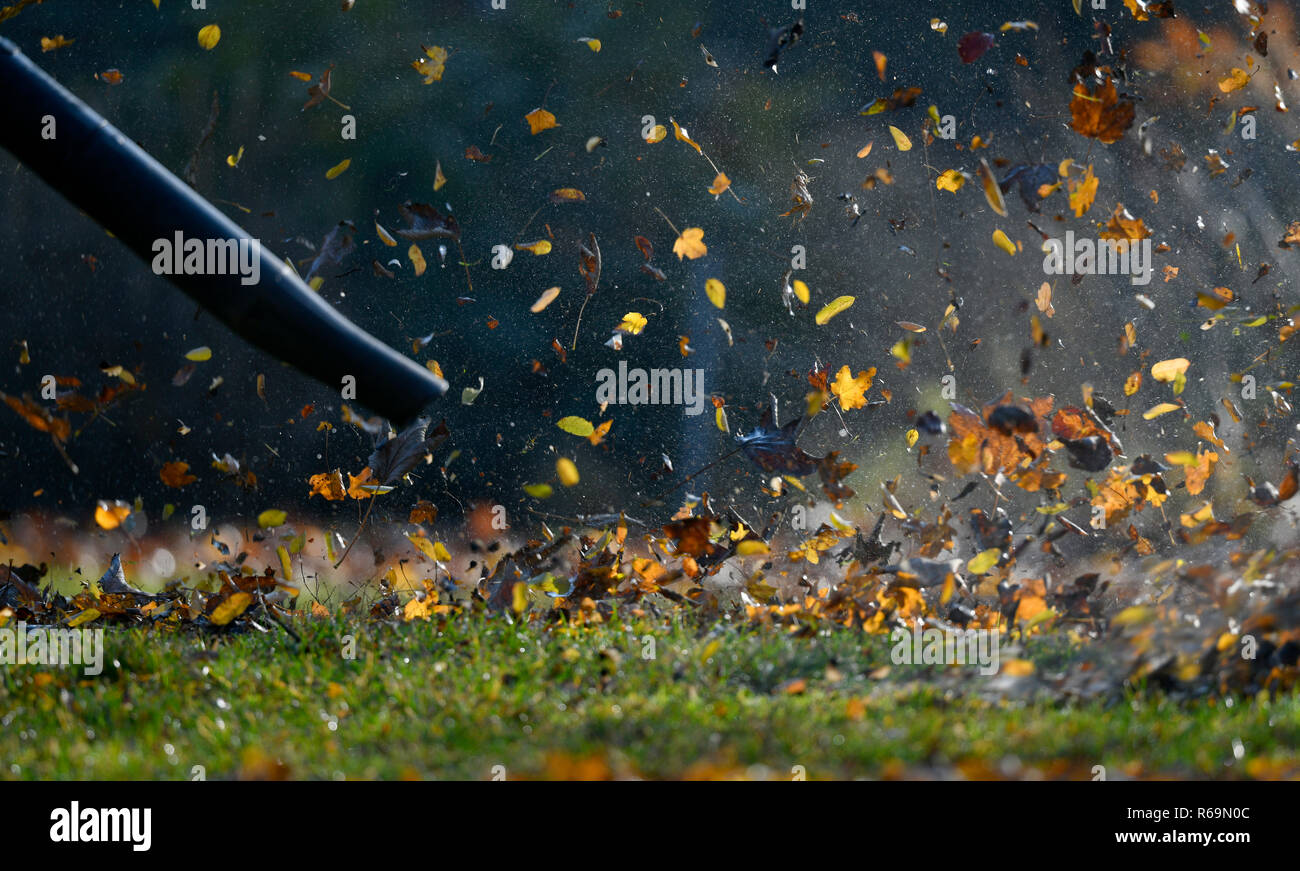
(506, 63)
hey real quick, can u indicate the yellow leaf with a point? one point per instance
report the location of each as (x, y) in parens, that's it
(801, 291)
(338, 169)
(433, 67)
(690, 244)
(720, 418)
(992, 191)
(720, 185)
(417, 259)
(950, 180)
(983, 561)
(540, 247)
(209, 36)
(752, 547)
(286, 566)
(900, 139)
(1083, 192)
(50, 44)
(1000, 239)
(1236, 80)
(912, 437)
(567, 471)
(438, 178)
(548, 296)
(852, 391)
(681, 135)
(538, 491)
(539, 120)
(578, 426)
(234, 605)
(832, 308)
(716, 291)
(271, 517)
(592, 43)
(440, 552)
(568, 195)
(233, 159)
(658, 133)
(1169, 370)
(109, 515)
(1157, 410)
(633, 323)
(87, 616)
(385, 236)
(199, 354)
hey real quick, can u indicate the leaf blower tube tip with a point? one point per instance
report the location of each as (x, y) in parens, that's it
(102, 172)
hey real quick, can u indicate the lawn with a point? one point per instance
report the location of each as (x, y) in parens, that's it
(641, 694)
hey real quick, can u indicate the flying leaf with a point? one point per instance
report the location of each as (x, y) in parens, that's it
(209, 36)
(717, 292)
(433, 65)
(576, 426)
(690, 244)
(338, 169)
(548, 296)
(900, 139)
(539, 120)
(832, 308)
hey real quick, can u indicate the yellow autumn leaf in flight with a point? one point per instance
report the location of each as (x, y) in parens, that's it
(591, 42)
(109, 515)
(539, 120)
(438, 178)
(658, 133)
(385, 236)
(680, 133)
(540, 247)
(233, 159)
(50, 44)
(432, 66)
(1001, 240)
(271, 517)
(720, 185)
(900, 138)
(417, 259)
(567, 471)
(338, 169)
(992, 191)
(717, 292)
(209, 36)
(578, 426)
(801, 291)
(1169, 370)
(1157, 410)
(690, 244)
(632, 323)
(567, 195)
(548, 296)
(1236, 80)
(950, 180)
(852, 390)
(1082, 192)
(832, 308)
(983, 561)
(199, 354)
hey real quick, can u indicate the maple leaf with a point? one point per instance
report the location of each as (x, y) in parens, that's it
(397, 456)
(433, 65)
(327, 484)
(852, 391)
(1100, 114)
(690, 244)
(176, 474)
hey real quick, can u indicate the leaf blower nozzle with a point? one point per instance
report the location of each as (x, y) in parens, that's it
(102, 172)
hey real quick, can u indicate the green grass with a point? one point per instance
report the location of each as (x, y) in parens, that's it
(455, 699)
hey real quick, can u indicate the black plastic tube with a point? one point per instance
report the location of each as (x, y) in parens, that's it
(102, 172)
